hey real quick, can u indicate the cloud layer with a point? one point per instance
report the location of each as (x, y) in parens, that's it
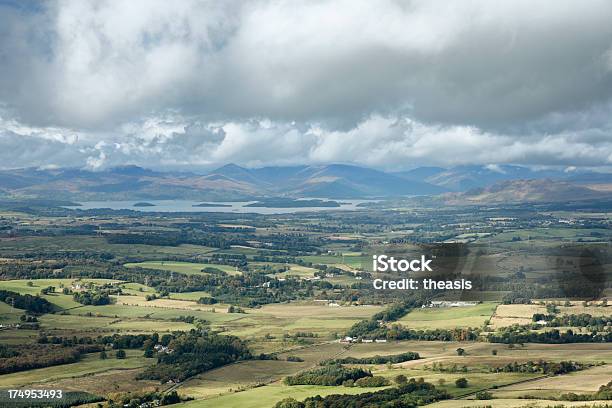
(390, 84)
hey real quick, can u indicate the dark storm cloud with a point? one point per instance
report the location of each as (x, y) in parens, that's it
(383, 83)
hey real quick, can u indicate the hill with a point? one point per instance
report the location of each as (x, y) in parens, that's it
(527, 191)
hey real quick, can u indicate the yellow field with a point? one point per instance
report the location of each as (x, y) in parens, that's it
(513, 403)
(239, 375)
(577, 308)
(248, 373)
(580, 382)
(507, 315)
(111, 381)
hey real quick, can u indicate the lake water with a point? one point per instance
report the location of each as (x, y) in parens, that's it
(188, 206)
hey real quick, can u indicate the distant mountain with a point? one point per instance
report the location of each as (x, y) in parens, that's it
(230, 182)
(234, 172)
(420, 173)
(527, 191)
(463, 178)
(327, 181)
(125, 183)
(233, 182)
(354, 181)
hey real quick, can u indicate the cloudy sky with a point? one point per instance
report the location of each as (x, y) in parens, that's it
(388, 84)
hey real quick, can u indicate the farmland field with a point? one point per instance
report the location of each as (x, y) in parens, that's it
(448, 318)
(187, 268)
(90, 364)
(293, 294)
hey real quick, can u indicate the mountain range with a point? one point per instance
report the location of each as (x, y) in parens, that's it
(334, 181)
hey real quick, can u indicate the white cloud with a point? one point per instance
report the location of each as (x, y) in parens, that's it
(389, 142)
(384, 83)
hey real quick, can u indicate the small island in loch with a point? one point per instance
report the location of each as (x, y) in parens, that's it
(143, 204)
(211, 205)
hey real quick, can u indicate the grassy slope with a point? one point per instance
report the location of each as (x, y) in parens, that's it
(89, 364)
(448, 318)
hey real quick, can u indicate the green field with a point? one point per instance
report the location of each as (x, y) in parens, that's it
(58, 299)
(266, 397)
(154, 313)
(8, 314)
(449, 317)
(188, 268)
(296, 270)
(194, 296)
(318, 318)
(354, 260)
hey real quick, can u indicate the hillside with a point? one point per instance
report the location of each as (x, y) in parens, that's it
(527, 191)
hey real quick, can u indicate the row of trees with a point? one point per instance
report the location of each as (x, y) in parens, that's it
(544, 367)
(517, 335)
(393, 359)
(21, 358)
(329, 375)
(92, 298)
(116, 341)
(373, 329)
(32, 304)
(579, 320)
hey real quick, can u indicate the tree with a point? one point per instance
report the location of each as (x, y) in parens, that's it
(120, 354)
(460, 352)
(494, 352)
(103, 355)
(400, 379)
(461, 382)
(441, 381)
(170, 398)
(148, 353)
(289, 403)
(484, 395)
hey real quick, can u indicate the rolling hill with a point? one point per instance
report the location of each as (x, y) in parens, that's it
(463, 178)
(527, 191)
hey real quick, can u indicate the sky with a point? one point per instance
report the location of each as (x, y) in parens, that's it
(387, 84)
